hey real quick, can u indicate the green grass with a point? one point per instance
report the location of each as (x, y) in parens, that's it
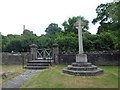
(17, 69)
(54, 78)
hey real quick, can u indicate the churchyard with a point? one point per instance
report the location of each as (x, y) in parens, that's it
(54, 78)
(40, 68)
(68, 58)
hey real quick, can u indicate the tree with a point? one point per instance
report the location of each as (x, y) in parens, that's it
(69, 25)
(53, 29)
(88, 42)
(114, 11)
(98, 42)
(115, 15)
(68, 42)
(15, 46)
(109, 16)
(7, 40)
(67, 39)
(104, 42)
(27, 38)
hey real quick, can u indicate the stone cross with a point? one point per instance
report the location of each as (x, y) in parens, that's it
(79, 25)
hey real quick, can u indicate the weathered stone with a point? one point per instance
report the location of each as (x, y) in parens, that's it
(84, 73)
(33, 46)
(38, 64)
(79, 25)
(34, 51)
(55, 53)
(77, 68)
(81, 67)
(81, 64)
(81, 58)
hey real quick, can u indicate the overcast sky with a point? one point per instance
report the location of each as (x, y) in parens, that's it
(36, 15)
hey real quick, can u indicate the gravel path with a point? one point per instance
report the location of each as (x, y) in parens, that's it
(18, 81)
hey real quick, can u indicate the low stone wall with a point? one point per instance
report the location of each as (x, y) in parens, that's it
(66, 58)
(14, 59)
(97, 58)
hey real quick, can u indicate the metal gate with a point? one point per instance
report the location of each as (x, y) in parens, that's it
(44, 54)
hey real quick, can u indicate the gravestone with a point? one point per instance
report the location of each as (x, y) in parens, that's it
(81, 67)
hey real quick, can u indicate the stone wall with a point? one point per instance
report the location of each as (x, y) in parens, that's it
(97, 58)
(14, 58)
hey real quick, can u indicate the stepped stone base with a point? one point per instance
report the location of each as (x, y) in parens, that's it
(83, 69)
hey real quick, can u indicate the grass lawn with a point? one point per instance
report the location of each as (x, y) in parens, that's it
(16, 69)
(54, 78)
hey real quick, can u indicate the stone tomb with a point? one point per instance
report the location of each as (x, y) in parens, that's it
(81, 67)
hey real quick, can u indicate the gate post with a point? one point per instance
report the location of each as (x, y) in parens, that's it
(33, 49)
(55, 52)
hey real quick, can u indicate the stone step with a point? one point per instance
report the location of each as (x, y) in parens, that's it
(81, 64)
(40, 61)
(38, 64)
(77, 68)
(83, 73)
(44, 59)
(36, 67)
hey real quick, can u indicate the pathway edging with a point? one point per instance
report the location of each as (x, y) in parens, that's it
(19, 80)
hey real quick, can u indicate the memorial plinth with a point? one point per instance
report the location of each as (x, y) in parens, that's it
(82, 67)
(81, 58)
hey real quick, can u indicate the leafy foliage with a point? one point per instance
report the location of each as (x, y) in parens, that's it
(67, 39)
(109, 17)
(69, 25)
(68, 42)
(53, 29)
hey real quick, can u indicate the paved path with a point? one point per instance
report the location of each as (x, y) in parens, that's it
(18, 81)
